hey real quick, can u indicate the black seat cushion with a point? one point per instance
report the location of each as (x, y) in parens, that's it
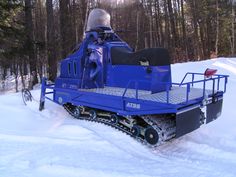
(151, 56)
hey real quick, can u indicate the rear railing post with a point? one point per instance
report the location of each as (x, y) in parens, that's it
(187, 93)
(167, 93)
(213, 87)
(192, 78)
(226, 80)
(204, 88)
(218, 83)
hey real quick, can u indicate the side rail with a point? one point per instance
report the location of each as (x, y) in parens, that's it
(44, 93)
(138, 82)
(215, 79)
(167, 89)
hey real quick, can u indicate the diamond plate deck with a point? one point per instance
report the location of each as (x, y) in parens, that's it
(177, 95)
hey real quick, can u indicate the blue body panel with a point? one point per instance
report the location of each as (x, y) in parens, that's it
(121, 75)
(117, 104)
(91, 67)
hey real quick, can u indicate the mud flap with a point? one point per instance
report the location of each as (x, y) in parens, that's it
(187, 121)
(214, 110)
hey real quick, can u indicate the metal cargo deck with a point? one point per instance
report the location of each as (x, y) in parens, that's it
(177, 95)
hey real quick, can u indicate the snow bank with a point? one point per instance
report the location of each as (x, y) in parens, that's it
(51, 143)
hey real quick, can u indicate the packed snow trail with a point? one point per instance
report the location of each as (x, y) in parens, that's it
(53, 144)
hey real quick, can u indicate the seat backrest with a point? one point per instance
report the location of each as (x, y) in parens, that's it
(150, 56)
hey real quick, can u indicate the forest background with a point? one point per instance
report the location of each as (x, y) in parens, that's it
(36, 34)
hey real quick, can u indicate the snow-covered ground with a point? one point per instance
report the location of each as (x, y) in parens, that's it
(53, 144)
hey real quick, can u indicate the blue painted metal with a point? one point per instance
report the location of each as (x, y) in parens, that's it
(91, 67)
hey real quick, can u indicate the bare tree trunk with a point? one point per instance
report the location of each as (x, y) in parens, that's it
(75, 21)
(65, 27)
(85, 6)
(30, 40)
(150, 32)
(217, 28)
(158, 24)
(145, 42)
(233, 30)
(15, 70)
(150, 24)
(4, 75)
(184, 30)
(173, 30)
(137, 31)
(16, 83)
(51, 46)
(40, 34)
(21, 69)
(167, 29)
(195, 26)
(203, 48)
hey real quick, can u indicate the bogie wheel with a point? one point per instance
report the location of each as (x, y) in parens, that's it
(92, 114)
(151, 136)
(77, 112)
(114, 119)
(135, 130)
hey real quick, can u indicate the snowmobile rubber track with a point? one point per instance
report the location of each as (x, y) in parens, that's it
(164, 126)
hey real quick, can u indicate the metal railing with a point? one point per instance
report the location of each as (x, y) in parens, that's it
(215, 79)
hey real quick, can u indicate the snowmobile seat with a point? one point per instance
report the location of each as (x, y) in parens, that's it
(147, 57)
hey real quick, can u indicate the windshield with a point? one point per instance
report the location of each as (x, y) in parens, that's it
(98, 18)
